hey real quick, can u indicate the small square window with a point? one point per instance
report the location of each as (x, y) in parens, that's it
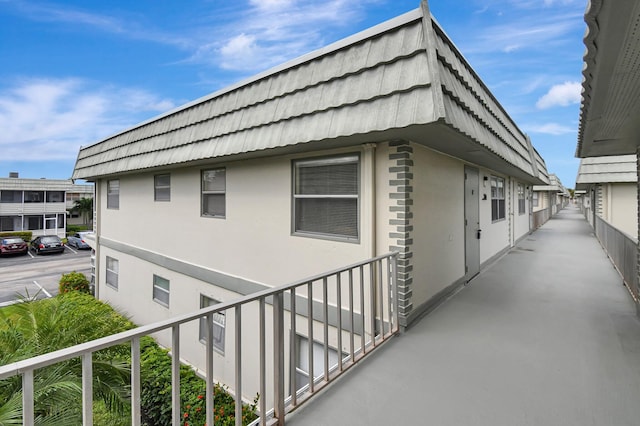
(113, 194)
(162, 187)
(161, 290)
(219, 321)
(214, 184)
(113, 269)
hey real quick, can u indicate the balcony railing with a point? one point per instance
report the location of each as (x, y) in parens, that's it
(352, 308)
(623, 252)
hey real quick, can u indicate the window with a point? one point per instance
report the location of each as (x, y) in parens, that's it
(113, 269)
(161, 290)
(10, 223)
(10, 196)
(214, 184)
(162, 187)
(218, 324)
(302, 361)
(326, 196)
(55, 197)
(113, 194)
(34, 196)
(521, 199)
(32, 223)
(497, 199)
(535, 199)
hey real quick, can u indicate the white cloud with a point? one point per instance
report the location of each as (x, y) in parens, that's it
(48, 119)
(550, 129)
(271, 32)
(272, 4)
(563, 94)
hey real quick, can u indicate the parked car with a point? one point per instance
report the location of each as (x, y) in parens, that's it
(47, 244)
(77, 240)
(13, 245)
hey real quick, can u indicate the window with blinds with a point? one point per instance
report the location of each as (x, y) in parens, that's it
(326, 196)
(162, 187)
(113, 194)
(214, 184)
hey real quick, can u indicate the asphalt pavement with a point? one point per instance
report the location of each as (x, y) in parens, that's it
(38, 275)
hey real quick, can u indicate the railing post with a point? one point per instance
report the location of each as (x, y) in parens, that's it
(27, 398)
(238, 363)
(263, 367)
(135, 382)
(87, 389)
(175, 375)
(210, 404)
(293, 350)
(278, 357)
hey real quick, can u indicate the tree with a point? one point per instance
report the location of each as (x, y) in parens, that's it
(84, 206)
(36, 327)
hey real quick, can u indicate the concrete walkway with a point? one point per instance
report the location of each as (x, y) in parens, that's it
(545, 336)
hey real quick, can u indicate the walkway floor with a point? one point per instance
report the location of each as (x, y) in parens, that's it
(545, 336)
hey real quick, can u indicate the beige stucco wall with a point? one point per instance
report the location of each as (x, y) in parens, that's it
(253, 242)
(623, 207)
(438, 190)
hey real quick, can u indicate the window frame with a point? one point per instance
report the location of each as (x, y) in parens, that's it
(111, 272)
(217, 192)
(162, 192)
(219, 322)
(522, 199)
(5, 199)
(113, 194)
(341, 159)
(535, 199)
(157, 280)
(29, 197)
(498, 205)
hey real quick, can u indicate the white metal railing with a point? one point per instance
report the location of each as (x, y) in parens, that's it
(623, 252)
(354, 306)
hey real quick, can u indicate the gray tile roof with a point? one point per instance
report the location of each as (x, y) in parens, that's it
(403, 79)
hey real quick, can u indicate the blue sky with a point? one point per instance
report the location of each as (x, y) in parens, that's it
(74, 72)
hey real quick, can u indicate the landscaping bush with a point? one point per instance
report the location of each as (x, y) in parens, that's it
(156, 393)
(37, 327)
(25, 235)
(74, 281)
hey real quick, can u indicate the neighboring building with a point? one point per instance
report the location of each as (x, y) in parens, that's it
(385, 141)
(609, 185)
(610, 110)
(37, 205)
(76, 193)
(548, 200)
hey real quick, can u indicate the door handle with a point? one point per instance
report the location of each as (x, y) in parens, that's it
(478, 233)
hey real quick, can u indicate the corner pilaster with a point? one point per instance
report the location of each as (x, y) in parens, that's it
(401, 221)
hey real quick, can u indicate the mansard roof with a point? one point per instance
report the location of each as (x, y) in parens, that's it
(403, 79)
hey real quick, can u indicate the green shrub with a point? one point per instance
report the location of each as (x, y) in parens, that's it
(73, 281)
(25, 235)
(72, 229)
(156, 392)
(37, 327)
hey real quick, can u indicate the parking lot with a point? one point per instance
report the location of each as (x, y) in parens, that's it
(29, 275)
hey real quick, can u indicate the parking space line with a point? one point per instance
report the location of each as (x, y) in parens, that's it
(43, 289)
(74, 252)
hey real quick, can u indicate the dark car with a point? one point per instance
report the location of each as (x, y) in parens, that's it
(47, 244)
(13, 245)
(77, 240)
